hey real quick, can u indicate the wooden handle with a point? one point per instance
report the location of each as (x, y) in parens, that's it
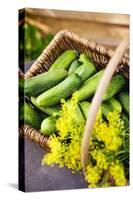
(97, 100)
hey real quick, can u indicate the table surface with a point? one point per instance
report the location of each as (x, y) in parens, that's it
(45, 178)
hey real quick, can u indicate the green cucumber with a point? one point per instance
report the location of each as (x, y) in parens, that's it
(64, 60)
(48, 126)
(61, 91)
(78, 117)
(89, 86)
(85, 106)
(30, 116)
(85, 71)
(116, 84)
(124, 99)
(110, 106)
(40, 83)
(75, 64)
(85, 59)
(51, 110)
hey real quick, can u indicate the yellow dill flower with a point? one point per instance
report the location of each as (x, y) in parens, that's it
(93, 174)
(56, 153)
(110, 138)
(92, 185)
(100, 158)
(114, 120)
(117, 171)
(72, 157)
(110, 132)
(70, 116)
(65, 148)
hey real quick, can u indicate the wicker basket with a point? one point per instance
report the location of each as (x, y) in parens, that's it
(62, 41)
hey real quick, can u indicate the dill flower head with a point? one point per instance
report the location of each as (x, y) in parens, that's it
(93, 174)
(110, 132)
(55, 156)
(71, 118)
(117, 172)
(100, 159)
(65, 148)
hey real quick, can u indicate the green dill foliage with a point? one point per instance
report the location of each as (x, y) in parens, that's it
(109, 147)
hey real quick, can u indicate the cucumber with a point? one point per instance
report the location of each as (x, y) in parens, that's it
(40, 83)
(64, 60)
(106, 107)
(89, 86)
(48, 126)
(78, 117)
(124, 99)
(85, 59)
(30, 116)
(116, 84)
(110, 106)
(85, 106)
(61, 91)
(52, 110)
(75, 64)
(85, 71)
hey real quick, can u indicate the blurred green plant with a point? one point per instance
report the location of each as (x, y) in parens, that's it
(32, 42)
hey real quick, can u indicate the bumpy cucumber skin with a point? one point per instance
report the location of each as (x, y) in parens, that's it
(124, 99)
(30, 116)
(110, 106)
(116, 84)
(64, 60)
(40, 83)
(48, 126)
(85, 71)
(51, 110)
(89, 86)
(75, 64)
(61, 91)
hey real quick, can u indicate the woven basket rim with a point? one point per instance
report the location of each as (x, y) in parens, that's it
(88, 43)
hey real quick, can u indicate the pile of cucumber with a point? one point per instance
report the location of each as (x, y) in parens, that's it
(69, 73)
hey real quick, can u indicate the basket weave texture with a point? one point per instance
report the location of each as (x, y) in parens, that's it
(62, 41)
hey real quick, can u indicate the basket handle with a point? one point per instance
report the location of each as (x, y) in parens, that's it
(97, 100)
